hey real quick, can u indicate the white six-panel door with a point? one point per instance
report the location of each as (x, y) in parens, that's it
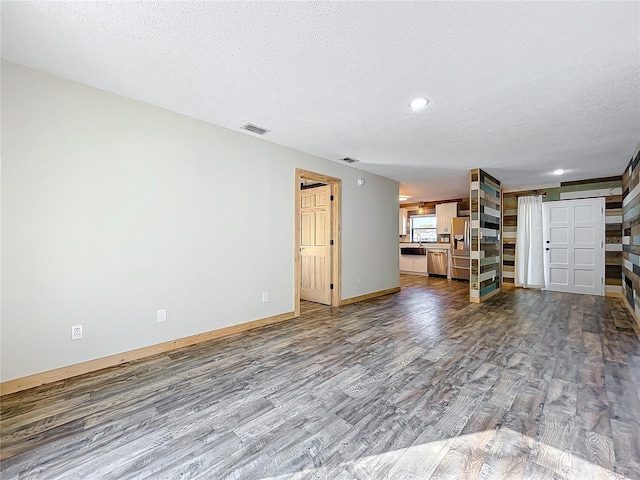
(574, 246)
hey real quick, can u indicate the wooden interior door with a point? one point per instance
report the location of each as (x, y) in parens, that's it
(315, 244)
(574, 246)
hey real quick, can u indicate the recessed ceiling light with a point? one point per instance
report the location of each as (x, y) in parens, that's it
(403, 198)
(559, 171)
(418, 103)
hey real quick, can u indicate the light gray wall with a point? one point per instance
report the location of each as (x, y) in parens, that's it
(112, 209)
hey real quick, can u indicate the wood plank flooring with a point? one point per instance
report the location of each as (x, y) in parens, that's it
(416, 385)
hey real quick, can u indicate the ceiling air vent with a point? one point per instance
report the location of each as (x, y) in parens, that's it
(349, 160)
(254, 128)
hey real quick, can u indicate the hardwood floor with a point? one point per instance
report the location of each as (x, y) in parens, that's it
(416, 385)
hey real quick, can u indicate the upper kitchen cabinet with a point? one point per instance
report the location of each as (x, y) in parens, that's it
(403, 221)
(444, 213)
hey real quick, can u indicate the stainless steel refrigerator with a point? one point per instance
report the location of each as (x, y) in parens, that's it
(460, 248)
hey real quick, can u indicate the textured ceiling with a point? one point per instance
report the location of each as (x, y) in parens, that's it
(517, 88)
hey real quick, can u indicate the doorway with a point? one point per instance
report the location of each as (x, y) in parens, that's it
(317, 245)
(574, 257)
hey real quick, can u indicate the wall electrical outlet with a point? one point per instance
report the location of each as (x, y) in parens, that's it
(162, 315)
(76, 332)
(265, 297)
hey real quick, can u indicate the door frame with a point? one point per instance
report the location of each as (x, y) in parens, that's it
(603, 254)
(336, 229)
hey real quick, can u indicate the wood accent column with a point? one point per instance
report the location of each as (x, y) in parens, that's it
(631, 234)
(486, 230)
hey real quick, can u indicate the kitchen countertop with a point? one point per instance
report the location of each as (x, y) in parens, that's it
(427, 245)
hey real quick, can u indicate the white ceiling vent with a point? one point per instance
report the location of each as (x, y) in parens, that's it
(254, 128)
(349, 160)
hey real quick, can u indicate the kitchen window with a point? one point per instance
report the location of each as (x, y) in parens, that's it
(423, 228)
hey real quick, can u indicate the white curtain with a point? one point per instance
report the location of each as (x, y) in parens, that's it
(529, 243)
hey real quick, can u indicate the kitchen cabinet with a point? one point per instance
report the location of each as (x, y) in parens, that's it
(406, 263)
(413, 264)
(402, 217)
(444, 213)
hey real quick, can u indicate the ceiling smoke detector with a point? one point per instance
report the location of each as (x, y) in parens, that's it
(349, 160)
(254, 128)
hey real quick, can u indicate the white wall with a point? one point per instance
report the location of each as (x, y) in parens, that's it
(112, 209)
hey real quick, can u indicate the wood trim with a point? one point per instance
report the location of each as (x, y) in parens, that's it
(317, 177)
(336, 227)
(336, 268)
(297, 265)
(429, 204)
(530, 188)
(528, 193)
(513, 285)
(420, 274)
(368, 296)
(38, 379)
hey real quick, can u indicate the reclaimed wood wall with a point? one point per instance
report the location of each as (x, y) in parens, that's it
(486, 200)
(631, 233)
(610, 188)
